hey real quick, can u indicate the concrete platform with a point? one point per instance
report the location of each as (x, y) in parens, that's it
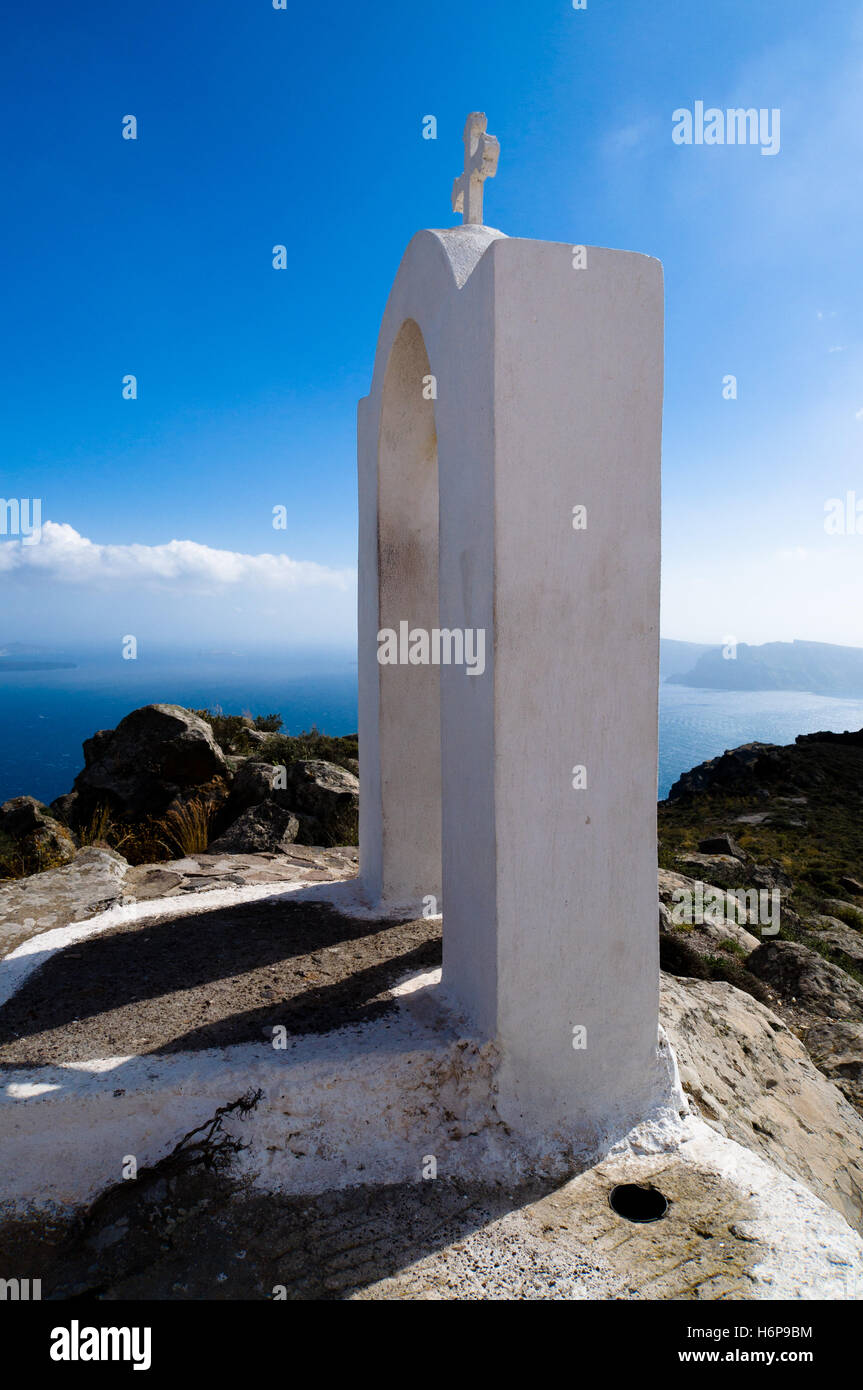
(366, 1108)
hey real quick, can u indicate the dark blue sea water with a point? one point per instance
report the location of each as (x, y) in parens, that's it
(45, 715)
(698, 724)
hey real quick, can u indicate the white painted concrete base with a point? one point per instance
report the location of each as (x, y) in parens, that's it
(365, 1104)
(370, 1104)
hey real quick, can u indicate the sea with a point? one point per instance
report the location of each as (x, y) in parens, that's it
(46, 714)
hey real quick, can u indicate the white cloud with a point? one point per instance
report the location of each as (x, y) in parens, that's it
(63, 555)
(627, 137)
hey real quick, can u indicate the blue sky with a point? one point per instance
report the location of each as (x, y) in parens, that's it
(304, 127)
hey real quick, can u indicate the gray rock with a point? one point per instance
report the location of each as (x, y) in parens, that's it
(803, 978)
(727, 871)
(253, 783)
(751, 1079)
(157, 755)
(851, 885)
(294, 863)
(329, 794)
(63, 808)
(152, 881)
(40, 840)
(838, 937)
(837, 1051)
(266, 827)
(836, 905)
(323, 796)
(722, 844)
(94, 881)
(720, 870)
(715, 927)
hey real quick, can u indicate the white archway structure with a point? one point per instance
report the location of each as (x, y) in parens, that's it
(513, 384)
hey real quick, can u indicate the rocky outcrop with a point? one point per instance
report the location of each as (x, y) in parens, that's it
(39, 839)
(810, 985)
(815, 763)
(715, 927)
(748, 766)
(838, 938)
(94, 881)
(837, 1051)
(157, 756)
(797, 810)
(852, 910)
(328, 797)
(255, 781)
(720, 870)
(721, 844)
(850, 739)
(729, 871)
(267, 827)
(323, 796)
(751, 1079)
(823, 1003)
(162, 781)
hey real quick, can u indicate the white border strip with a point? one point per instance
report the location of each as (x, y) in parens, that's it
(36, 951)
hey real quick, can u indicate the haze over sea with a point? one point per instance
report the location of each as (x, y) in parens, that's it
(46, 715)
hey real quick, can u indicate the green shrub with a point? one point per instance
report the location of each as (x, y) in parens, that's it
(290, 748)
(677, 957)
(852, 916)
(268, 723)
(230, 731)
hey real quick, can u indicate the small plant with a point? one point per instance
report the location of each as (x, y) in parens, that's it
(100, 827)
(12, 861)
(186, 828)
(142, 843)
(732, 948)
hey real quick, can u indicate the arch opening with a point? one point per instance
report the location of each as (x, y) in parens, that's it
(408, 605)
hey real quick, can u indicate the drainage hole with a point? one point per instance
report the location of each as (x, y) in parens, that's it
(636, 1203)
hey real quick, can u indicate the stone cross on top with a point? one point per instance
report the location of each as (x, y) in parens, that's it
(480, 163)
